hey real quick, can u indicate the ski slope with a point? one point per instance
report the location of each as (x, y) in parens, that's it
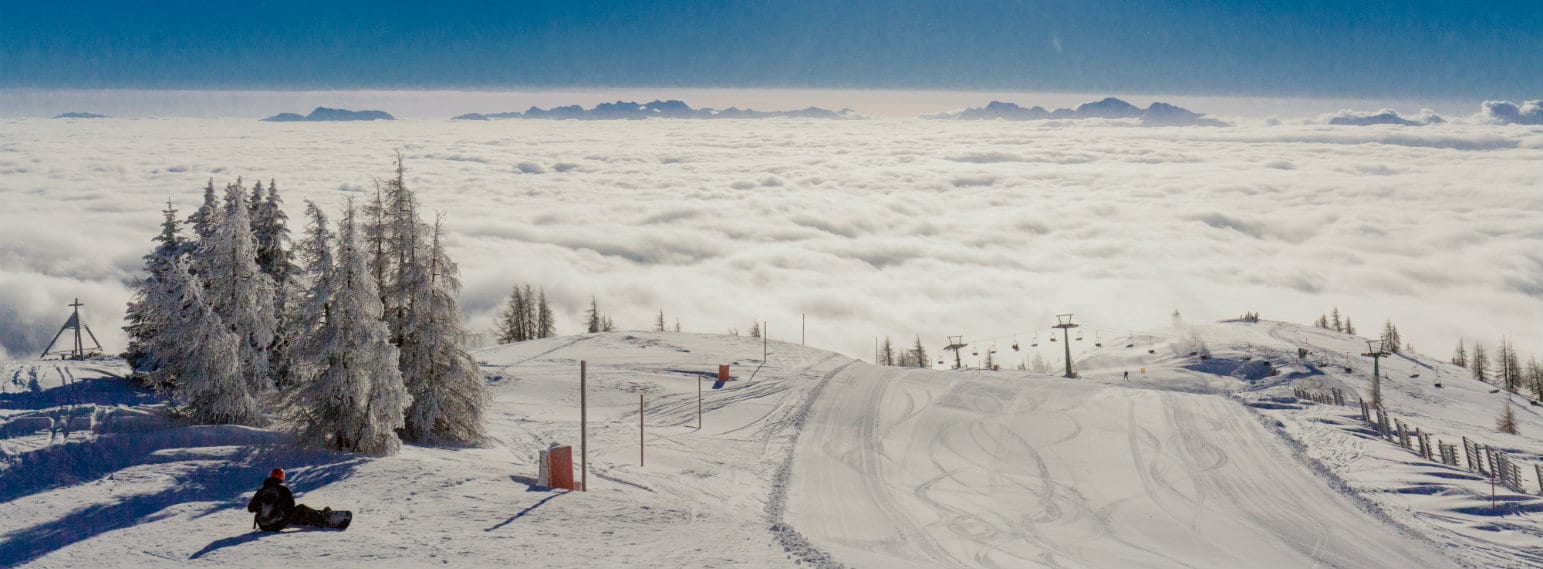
(807, 458)
(1174, 468)
(938, 469)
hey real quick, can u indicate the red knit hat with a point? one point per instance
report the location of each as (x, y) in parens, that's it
(277, 473)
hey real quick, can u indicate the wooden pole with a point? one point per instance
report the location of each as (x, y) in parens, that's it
(584, 425)
(640, 429)
(699, 403)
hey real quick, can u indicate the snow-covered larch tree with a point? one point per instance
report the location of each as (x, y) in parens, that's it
(203, 357)
(355, 401)
(448, 394)
(237, 289)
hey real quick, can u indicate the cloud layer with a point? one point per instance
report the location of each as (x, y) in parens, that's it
(870, 227)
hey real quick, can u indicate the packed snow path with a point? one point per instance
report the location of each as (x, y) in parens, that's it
(918, 468)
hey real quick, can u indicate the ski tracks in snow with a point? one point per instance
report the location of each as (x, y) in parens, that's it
(906, 468)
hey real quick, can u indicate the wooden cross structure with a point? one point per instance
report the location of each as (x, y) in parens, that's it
(77, 350)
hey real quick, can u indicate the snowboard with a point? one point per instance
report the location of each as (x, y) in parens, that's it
(337, 519)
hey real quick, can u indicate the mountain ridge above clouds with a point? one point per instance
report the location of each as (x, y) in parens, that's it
(1506, 112)
(1529, 113)
(1156, 114)
(671, 109)
(325, 114)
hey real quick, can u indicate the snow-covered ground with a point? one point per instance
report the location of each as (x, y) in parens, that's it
(810, 458)
(1179, 467)
(176, 495)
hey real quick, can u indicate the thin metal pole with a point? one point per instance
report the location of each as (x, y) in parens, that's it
(699, 403)
(640, 429)
(584, 425)
(803, 329)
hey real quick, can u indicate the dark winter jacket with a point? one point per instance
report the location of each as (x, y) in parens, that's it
(272, 504)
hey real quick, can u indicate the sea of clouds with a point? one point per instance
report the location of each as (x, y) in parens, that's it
(872, 227)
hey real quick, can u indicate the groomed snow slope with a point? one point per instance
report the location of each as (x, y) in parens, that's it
(922, 468)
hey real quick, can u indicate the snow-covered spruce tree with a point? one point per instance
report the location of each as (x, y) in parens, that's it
(659, 321)
(755, 329)
(202, 356)
(1460, 355)
(376, 234)
(205, 217)
(448, 395)
(1335, 322)
(677, 324)
(1506, 422)
(355, 401)
(546, 327)
(310, 295)
(143, 323)
(237, 289)
(606, 325)
(275, 257)
(1349, 328)
(886, 353)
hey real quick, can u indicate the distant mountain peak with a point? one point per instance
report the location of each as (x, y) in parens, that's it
(1158, 114)
(327, 114)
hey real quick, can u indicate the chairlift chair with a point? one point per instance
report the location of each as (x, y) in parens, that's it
(1098, 340)
(1079, 335)
(1034, 342)
(1015, 343)
(1131, 343)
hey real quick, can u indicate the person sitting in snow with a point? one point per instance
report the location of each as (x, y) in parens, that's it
(276, 509)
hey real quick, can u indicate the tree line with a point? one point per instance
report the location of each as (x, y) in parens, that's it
(351, 336)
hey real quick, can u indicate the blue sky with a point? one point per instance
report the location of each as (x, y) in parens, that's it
(1370, 48)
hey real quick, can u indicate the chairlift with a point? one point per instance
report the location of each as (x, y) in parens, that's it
(1015, 343)
(1131, 343)
(1035, 342)
(974, 351)
(1079, 335)
(1150, 348)
(1098, 340)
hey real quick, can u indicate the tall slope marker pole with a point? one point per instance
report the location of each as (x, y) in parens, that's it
(584, 425)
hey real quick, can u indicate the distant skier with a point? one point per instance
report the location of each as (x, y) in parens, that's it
(1127, 375)
(276, 509)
